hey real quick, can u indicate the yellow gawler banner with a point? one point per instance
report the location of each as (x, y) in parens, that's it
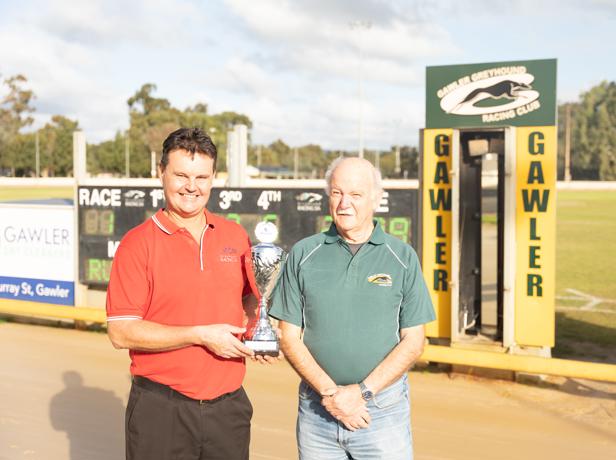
(535, 235)
(436, 218)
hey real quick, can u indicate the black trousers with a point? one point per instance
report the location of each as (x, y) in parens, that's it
(163, 424)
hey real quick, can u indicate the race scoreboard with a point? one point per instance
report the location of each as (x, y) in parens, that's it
(105, 214)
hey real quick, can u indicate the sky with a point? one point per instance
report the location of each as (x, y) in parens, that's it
(294, 67)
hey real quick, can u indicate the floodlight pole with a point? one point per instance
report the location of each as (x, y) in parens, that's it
(568, 143)
(37, 154)
(127, 155)
(361, 26)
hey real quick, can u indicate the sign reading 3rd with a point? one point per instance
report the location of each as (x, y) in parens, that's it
(229, 196)
(267, 197)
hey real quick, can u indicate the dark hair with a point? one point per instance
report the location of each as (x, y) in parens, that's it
(193, 140)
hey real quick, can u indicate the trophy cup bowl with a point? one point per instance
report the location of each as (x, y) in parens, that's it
(266, 260)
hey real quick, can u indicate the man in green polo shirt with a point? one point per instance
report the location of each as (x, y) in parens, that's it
(358, 298)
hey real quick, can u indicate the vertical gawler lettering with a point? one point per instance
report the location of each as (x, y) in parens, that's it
(440, 202)
(535, 201)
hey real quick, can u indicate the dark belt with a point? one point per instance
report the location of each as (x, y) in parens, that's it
(167, 391)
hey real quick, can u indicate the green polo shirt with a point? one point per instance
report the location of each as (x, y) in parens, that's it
(351, 308)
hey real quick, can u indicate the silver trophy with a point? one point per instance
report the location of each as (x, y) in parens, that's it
(266, 260)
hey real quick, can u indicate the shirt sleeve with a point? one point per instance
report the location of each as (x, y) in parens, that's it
(129, 289)
(286, 302)
(416, 307)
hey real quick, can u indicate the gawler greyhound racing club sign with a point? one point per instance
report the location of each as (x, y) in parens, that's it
(520, 93)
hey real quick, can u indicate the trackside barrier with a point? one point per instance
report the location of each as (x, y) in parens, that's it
(432, 353)
(44, 310)
(520, 363)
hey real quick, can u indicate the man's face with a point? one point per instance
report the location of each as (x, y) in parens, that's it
(187, 182)
(352, 198)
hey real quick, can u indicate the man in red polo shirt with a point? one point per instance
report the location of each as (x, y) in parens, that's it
(175, 300)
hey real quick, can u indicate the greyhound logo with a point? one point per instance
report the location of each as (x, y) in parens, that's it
(508, 91)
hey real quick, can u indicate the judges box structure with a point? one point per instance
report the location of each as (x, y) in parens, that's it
(107, 211)
(488, 203)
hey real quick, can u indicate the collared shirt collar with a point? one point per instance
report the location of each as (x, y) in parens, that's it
(377, 236)
(169, 226)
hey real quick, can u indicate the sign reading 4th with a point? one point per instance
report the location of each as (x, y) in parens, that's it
(267, 197)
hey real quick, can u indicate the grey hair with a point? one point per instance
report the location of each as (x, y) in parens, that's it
(377, 179)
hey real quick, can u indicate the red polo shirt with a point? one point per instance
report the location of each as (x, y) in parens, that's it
(161, 274)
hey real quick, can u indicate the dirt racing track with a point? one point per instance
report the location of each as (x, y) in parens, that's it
(62, 396)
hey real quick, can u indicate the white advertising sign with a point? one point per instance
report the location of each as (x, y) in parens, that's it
(37, 245)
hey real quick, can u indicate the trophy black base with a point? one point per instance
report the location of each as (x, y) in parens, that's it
(264, 347)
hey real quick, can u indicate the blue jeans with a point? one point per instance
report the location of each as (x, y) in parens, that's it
(388, 437)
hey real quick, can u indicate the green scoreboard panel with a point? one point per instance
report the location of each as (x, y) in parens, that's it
(106, 213)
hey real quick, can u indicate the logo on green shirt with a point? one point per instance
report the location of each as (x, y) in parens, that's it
(381, 279)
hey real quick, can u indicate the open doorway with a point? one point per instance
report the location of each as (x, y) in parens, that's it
(481, 233)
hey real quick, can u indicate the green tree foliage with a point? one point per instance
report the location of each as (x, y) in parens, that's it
(151, 121)
(593, 133)
(281, 155)
(561, 133)
(276, 155)
(17, 149)
(108, 157)
(21, 154)
(313, 160)
(408, 163)
(218, 127)
(55, 141)
(56, 146)
(593, 138)
(15, 110)
(143, 101)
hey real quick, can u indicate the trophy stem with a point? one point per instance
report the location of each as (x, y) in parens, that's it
(263, 310)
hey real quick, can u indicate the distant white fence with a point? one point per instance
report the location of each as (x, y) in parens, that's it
(37, 181)
(251, 182)
(586, 185)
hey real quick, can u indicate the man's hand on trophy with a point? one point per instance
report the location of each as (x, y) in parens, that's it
(221, 340)
(266, 359)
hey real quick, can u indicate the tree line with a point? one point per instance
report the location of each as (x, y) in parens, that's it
(592, 134)
(593, 138)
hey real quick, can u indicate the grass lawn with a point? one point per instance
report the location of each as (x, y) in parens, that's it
(585, 256)
(34, 193)
(586, 242)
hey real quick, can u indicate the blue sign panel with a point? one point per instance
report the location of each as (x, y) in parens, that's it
(47, 291)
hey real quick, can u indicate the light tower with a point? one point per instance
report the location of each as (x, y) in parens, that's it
(361, 26)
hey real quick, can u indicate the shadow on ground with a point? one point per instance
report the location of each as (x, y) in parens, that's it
(584, 341)
(93, 419)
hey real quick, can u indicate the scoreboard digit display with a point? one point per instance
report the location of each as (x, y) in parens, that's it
(106, 213)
